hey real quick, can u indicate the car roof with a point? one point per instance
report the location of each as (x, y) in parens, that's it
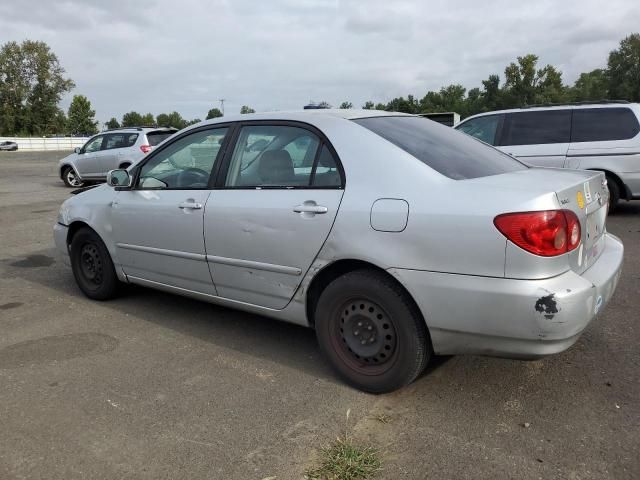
(307, 115)
(568, 106)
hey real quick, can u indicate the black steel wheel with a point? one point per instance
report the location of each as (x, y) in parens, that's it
(371, 331)
(92, 266)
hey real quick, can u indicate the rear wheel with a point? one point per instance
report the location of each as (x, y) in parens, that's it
(70, 178)
(92, 266)
(614, 193)
(371, 332)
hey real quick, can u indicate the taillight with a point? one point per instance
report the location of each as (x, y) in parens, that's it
(547, 233)
(145, 148)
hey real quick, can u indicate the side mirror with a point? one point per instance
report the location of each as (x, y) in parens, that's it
(76, 150)
(118, 178)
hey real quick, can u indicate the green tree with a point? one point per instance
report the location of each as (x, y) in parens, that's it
(162, 120)
(593, 85)
(81, 118)
(491, 95)
(346, 105)
(624, 70)
(243, 110)
(131, 119)
(400, 104)
(194, 121)
(176, 121)
(526, 85)
(368, 105)
(32, 83)
(214, 113)
(148, 119)
(113, 123)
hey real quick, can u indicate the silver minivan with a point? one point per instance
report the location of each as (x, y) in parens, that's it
(602, 136)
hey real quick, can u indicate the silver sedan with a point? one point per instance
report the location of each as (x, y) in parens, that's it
(392, 236)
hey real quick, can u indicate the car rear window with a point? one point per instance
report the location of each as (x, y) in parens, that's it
(156, 137)
(602, 124)
(453, 154)
(536, 128)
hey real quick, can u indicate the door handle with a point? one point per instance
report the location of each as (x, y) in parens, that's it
(190, 205)
(310, 208)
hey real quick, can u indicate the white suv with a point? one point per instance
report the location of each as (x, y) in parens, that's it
(601, 136)
(108, 150)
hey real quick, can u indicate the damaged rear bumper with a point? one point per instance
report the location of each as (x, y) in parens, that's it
(504, 317)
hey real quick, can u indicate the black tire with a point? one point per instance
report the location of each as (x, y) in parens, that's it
(92, 266)
(614, 193)
(371, 332)
(68, 176)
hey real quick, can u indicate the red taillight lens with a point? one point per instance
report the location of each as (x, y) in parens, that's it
(547, 233)
(145, 148)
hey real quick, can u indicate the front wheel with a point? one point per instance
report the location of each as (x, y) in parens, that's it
(371, 332)
(92, 266)
(70, 178)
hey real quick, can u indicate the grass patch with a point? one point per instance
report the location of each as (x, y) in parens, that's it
(345, 460)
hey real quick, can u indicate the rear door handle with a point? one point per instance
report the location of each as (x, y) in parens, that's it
(310, 209)
(190, 205)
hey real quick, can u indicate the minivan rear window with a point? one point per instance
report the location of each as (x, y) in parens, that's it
(602, 124)
(536, 128)
(156, 137)
(453, 154)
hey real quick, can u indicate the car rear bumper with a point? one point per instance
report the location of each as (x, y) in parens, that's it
(513, 318)
(60, 238)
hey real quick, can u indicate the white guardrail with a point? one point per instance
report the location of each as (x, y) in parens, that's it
(34, 144)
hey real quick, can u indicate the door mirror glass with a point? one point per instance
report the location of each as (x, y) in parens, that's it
(76, 150)
(118, 178)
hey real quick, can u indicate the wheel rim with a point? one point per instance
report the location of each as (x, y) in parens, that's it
(364, 336)
(72, 178)
(91, 264)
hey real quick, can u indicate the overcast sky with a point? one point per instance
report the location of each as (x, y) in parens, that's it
(184, 55)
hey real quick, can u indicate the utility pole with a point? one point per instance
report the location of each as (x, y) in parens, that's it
(222, 106)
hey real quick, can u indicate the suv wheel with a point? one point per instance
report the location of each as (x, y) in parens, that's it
(371, 332)
(70, 178)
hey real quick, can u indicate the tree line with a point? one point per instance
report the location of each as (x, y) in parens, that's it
(525, 83)
(32, 83)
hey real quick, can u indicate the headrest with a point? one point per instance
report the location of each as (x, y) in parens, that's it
(276, 167)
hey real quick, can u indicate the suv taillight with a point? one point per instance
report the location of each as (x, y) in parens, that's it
(547, 233)
(145, 148)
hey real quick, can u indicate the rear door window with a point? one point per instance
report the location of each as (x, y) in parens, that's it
(451, 153)
(119, 140)
(482, 128)
(155, 138)
(602, 124)
(536, 128)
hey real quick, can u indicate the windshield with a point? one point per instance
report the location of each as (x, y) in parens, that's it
(453, 154)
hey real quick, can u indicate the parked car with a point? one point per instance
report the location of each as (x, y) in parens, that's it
(590, 136)
(117, 148)
(8, 146)
(393, 236)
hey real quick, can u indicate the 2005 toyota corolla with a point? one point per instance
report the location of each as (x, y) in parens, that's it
(393, 236)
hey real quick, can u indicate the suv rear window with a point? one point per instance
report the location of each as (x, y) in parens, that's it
(453, 154)
(156, 137)
(601, 124)
(536, 128)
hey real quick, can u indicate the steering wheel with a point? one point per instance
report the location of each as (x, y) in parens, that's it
(192, 177)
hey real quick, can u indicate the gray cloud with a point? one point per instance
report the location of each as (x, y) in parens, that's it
(166, 55)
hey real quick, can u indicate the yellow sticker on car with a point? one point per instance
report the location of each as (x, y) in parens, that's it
(580, 199)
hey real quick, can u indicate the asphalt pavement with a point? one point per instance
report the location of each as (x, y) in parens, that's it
(152, 385)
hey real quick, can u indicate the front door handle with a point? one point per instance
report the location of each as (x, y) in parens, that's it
(190, 205)
(310, 208)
